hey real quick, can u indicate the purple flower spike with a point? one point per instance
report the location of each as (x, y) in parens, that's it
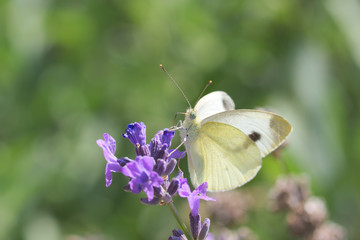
(142, 176)
(195, 196)
(136, 133)
(108, 145)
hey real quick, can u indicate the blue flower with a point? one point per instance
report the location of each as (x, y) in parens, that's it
(159, 146)
(153, 161)
(194, 196)
(136, 133)
(142, 176)
(108, 145)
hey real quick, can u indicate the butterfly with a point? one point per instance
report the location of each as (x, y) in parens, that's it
(225, 146)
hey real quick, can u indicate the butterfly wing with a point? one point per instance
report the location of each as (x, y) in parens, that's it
(268, 130)
(213, 103)
(222, 156)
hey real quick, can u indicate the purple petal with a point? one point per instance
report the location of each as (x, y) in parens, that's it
(131, 170)
(108, 176)
(109, 168)
(166, 136)
(176, 154)
(136, 133)
(184, 190)
(135, 186)
(114, 167)
(109, 146)
(149, 190)
(147, 163)
(195, 196)
(207, 198)
(200, 192)
(155, 179)
(111, 142)
(201, 189)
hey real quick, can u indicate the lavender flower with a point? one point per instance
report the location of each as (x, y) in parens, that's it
(153, 161)
(109, 147)
(195, 196)
(199, 232)
(142, 176)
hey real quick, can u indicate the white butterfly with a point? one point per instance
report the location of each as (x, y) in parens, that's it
(225, 146)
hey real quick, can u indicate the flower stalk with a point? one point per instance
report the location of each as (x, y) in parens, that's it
(180, 221)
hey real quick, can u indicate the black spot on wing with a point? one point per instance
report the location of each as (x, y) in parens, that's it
(255, 136)
(226, 105)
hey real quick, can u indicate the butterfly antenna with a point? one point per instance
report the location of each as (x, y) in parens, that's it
(178, 87)
(207, 85)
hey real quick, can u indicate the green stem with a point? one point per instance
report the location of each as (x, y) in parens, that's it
(180, 221)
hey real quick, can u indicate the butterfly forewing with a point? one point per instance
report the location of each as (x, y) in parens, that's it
(222, 156)
(213, 103)
(267, 130)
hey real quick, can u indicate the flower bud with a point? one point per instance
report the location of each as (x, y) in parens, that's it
(170, 167)
(204, 229)
(154, 201)
(195, 222)
(174, 186)
(127, 188)
(160, 167)
(178, 234)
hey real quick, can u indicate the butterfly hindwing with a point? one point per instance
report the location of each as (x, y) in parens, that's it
(222, 156)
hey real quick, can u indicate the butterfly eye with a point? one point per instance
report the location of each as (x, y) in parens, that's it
(192, 116)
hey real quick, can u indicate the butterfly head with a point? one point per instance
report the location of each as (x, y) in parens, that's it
(190, 118)
(192, 114)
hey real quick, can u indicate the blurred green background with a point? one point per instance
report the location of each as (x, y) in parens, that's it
(72, 70)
